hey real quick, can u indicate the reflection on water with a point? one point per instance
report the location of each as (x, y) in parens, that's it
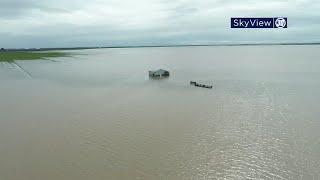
(98, 116)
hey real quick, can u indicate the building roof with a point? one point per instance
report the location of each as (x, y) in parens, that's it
(159, 72)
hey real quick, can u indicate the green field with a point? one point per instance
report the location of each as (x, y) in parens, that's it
(29, 55)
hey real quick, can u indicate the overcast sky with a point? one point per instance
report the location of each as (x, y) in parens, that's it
(69, 23)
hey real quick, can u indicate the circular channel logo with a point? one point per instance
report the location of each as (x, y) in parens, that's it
(280, 23)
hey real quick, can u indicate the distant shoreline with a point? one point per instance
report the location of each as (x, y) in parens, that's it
(156, 46)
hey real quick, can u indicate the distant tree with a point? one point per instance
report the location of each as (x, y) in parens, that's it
(2, 49)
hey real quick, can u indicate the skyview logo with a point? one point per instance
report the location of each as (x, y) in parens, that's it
(277, 22)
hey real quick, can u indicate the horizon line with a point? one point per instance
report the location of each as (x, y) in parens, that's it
(151, 46)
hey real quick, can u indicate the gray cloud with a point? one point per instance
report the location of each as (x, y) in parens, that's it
(11, 9)
(54, 23)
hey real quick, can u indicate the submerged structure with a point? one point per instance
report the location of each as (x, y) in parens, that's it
(159, 73)
(200, 85)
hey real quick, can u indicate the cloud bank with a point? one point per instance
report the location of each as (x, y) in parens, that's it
(61, 23)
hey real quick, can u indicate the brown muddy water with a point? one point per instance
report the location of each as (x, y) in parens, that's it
(98, 116)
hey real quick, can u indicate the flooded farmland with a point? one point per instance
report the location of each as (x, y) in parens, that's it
(97, 115)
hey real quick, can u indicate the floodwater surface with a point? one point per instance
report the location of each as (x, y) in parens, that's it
(97, 115)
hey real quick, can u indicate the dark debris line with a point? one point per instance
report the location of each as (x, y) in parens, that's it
(21, 68)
